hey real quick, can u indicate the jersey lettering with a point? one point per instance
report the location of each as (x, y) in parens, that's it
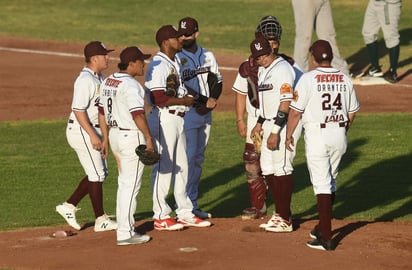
(189, 74)
(112, 82)
(326, 78)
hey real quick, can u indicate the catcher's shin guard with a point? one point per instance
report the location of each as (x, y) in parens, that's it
(256, 184)
(257, 192)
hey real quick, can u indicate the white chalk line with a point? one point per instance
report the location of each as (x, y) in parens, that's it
(362, 81)
(74, 55)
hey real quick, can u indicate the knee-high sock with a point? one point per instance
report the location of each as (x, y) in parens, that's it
(325, 215)
(81, 191)
(394, 57)
(96, 196)
(274, 191)
(373, 53)
(285, 184)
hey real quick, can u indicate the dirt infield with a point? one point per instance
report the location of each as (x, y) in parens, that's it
(36, 85)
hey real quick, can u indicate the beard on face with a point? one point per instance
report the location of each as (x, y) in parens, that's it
(188, 43)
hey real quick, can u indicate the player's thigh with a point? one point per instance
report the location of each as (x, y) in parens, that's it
(91, 160)
(390, 25)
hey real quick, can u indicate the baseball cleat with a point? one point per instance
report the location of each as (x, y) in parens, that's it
(374, 72)
(314, 234)
(390, 76)
(67, 211)
(280, 226)
(275, 218)
(320, 244)
(167, 224)
(135, 239)
(195, 221)
(104, 223)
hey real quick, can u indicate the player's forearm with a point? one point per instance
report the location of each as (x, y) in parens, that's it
(141, 123)
(84, 122)
(293, 119)
(240, 105)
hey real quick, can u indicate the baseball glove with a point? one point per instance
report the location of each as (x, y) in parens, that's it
(215, 85)
(172, 84)
(257, 141)
(147, 157)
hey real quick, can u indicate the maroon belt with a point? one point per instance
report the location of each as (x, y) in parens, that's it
(72, 121)
(181, 114)
(342, 124)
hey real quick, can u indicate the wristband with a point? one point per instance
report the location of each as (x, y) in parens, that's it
(261, 120)
(275, 129)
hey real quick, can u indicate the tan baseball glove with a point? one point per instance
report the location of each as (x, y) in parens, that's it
(257, 141)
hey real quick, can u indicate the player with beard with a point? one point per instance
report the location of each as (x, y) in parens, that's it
(196, 64)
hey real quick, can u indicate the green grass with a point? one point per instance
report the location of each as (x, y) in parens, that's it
(39, 170)
(225, 26)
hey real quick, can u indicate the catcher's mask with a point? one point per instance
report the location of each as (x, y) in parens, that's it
(269, 27)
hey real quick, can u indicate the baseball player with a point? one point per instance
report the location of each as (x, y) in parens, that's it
(384, 14)
(170, 103)
(196, 63)
(327, 102)
(317, 15)
(122, 109)
(85, 137)
(246, 85)
(275, 80)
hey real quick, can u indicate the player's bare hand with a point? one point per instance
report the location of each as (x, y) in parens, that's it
(187, 100)
(96, 142)
(273, 141)
(211, 103)
(256, 129)
(241, 128)
(290, 143)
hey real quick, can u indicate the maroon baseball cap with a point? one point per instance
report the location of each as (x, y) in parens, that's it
(132, 54)
(95, 48)
(321, 50)
(188, 26)
(260, 46)
(165, 32)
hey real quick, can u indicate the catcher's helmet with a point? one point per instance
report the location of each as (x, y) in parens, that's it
(269, 27)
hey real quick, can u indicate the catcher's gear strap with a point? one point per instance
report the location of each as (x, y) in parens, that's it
(249, 71)
(257, 191)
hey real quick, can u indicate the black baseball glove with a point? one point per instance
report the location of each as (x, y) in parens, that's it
(147, 157)
(172, 84)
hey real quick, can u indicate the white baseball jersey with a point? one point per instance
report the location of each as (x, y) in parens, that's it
(121, 95)
(85, 99)
(325, 96)
(86, 94)
(275, 85)
(166, 127)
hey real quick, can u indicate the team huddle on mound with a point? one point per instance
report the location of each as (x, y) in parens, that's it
(182, 86)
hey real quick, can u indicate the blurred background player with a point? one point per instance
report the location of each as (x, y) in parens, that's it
(195, 64)
(326, 117)
(383, 15)
(314, 15)
(84, 136)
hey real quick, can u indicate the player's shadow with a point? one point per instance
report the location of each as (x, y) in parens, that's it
(360, 59)
(382, 184)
